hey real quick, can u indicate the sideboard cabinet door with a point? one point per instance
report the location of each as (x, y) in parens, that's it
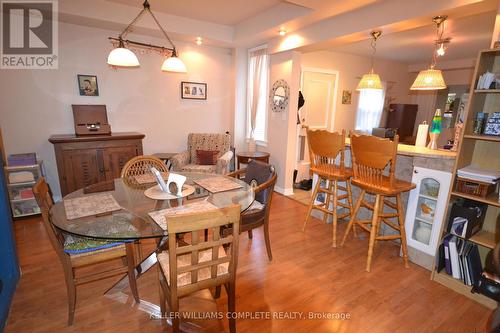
(86, 160)
(81, 168)
(114, 160)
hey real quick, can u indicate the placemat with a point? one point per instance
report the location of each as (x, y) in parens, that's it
(218, 184)
(149, 178)
(90, 205)
(195, 207)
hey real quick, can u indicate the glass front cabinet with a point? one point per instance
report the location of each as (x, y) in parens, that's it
(426, 208)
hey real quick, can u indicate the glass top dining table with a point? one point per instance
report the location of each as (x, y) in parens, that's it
(133, 221)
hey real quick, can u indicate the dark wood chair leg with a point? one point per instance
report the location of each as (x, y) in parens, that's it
(231, 306)
(250, 234)
(71, 289)
(163, 308)
(217, 292)
(129, 248)
(268, 241)
(174, 309)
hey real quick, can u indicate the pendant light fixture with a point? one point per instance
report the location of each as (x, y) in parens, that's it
(371, 80)
(121, 56)
(431, 79)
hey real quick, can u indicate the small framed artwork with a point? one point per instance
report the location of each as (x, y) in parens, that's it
(193, 90)
(346, 97)
(87, 85)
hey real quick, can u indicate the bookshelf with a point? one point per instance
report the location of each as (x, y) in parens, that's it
(21, 196)
(480, 150)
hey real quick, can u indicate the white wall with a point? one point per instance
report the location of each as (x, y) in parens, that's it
(37, 103)
(282, 125)
(351, 68)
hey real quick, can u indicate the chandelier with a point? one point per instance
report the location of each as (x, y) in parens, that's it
(122, 56)
(371, 80)
(432, 79)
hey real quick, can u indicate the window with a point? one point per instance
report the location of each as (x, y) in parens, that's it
(258, 77)
(371, 104)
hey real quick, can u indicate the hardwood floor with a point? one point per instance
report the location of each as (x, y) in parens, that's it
(306, 275)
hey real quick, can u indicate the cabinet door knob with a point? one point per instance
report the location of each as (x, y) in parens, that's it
(415, 171)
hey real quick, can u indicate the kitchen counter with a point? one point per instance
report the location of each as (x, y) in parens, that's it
(414, 151)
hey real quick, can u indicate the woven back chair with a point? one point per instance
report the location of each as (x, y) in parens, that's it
(141, 165)
(201, 264)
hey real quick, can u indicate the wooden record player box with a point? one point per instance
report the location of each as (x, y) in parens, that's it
(90, 159)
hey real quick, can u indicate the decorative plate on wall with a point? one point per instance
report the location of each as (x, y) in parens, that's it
(280, 94)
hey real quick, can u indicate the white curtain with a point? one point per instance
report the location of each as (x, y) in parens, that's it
(370, 107)
(257, 92)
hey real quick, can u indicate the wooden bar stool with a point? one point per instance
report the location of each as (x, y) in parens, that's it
(324, 147)
(370, 157)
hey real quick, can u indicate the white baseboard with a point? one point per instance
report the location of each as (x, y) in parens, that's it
(286, 191)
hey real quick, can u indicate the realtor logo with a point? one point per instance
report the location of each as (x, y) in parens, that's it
(29, 35)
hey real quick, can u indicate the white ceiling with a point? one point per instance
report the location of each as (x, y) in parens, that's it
(228, 12)
(469, 34)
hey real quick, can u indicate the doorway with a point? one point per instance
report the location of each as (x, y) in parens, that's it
(319, 88)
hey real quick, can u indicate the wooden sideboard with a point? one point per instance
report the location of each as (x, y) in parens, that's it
(86, 160)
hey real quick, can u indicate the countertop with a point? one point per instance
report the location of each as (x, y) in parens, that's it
(420, 151)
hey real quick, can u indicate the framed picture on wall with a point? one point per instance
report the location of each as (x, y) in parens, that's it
(193, 90)
(87, 85)
(346, 97)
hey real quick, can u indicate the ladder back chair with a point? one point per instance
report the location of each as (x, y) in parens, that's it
(324, 149)
(374, 165)
(89, 256)
(202, 263)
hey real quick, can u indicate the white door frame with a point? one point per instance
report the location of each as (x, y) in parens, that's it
(334, 100)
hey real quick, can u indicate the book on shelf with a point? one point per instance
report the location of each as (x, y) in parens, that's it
(455, 266)
(460, 259)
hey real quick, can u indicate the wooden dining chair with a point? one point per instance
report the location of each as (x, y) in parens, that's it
(141, 165)
(201, 264)
(371, 156)
(137, 166)
(263, 177)
(324, 149)
(100, 251)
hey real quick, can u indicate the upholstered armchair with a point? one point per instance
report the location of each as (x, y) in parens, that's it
(187, 161)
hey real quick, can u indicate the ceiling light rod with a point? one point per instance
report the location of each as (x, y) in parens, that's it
(375, 35)
(123, 34)
(161, 49)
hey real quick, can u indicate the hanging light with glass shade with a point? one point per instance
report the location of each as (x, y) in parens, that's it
(122, 56)
(432, 79)
(371, 80)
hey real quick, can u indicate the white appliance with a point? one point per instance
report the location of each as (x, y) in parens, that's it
(426, 208)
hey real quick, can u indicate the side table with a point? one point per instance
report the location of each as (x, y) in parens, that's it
(165, 157)
(245, 156)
